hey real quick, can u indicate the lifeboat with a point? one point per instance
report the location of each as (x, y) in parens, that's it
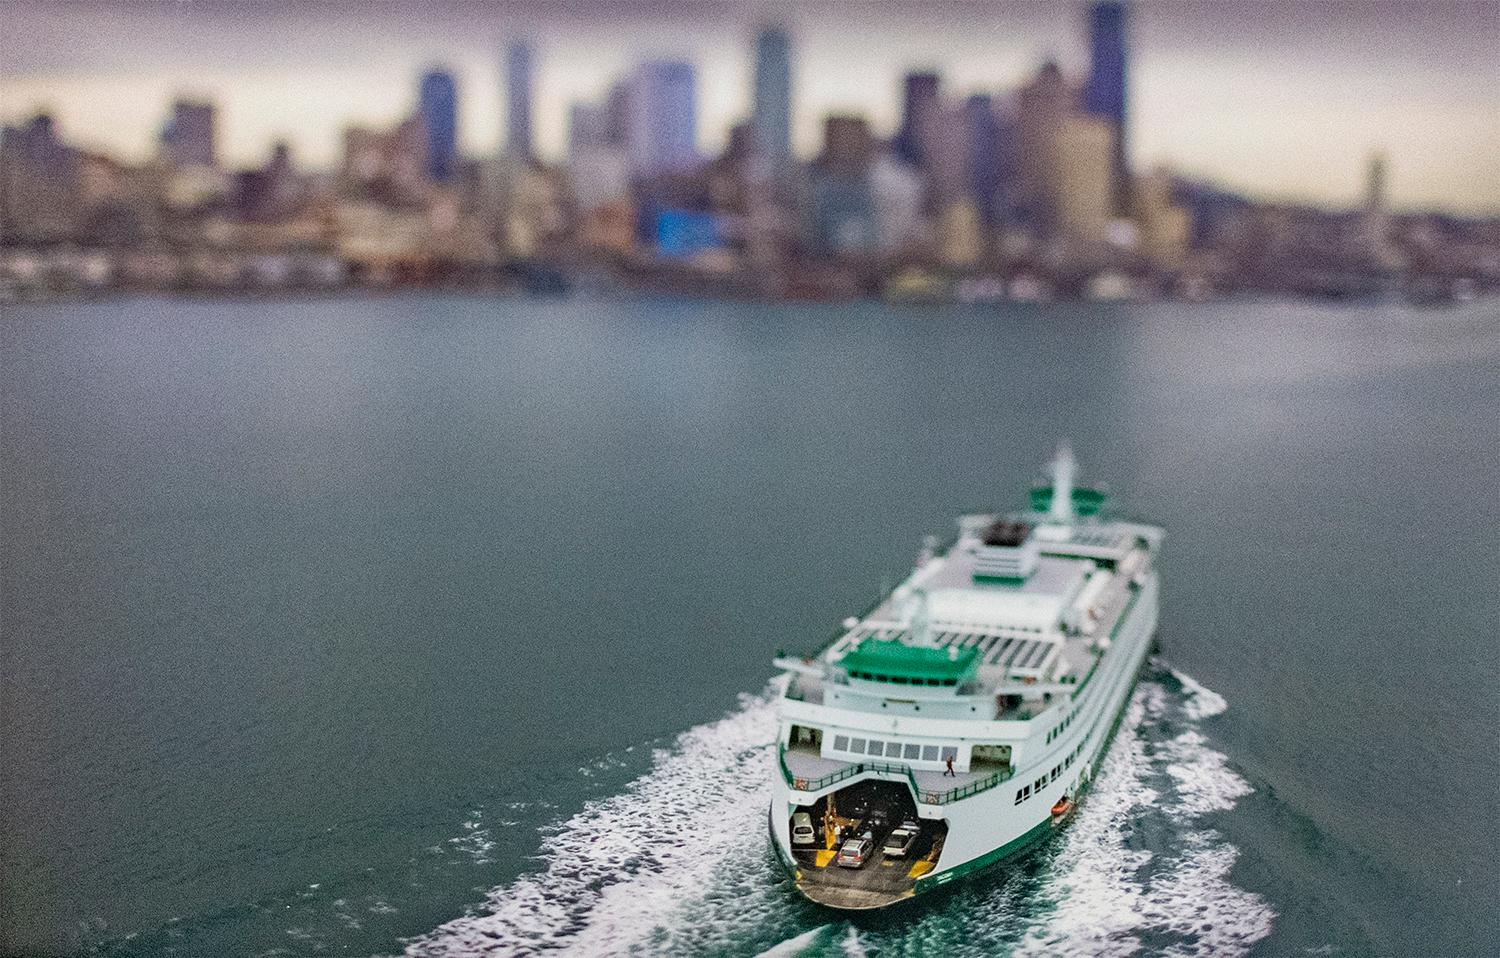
(1063, 808)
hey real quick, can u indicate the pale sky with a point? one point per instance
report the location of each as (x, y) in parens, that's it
(1278, 98)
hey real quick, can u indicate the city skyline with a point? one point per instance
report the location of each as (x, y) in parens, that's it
(1297, 140)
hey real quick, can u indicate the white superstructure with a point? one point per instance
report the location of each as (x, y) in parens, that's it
(974, 700)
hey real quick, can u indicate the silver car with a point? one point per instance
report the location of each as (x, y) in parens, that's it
(856, 851)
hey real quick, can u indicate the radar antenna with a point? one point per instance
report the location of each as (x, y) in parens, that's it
(1063, 468)
(919, 619)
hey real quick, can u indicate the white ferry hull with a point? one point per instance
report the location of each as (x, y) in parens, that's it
(989, 827)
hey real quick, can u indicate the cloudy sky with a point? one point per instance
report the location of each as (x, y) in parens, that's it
(1278, 98)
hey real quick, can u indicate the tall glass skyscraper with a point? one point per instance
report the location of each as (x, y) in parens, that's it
(920, 101)
(1104, 95)
(518, 99)
(663, 118)
(438, 107)
(773, 95)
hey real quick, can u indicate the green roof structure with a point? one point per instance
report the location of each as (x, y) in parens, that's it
(1086, 501)
(888, 660)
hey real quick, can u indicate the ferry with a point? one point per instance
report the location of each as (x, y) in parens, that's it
(971, 706)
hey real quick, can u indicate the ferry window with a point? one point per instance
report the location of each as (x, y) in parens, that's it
(857, 745)
(929, 753)
(950, 752)
(1026, 793)
(1018, 798)
(892, 749)
(1055, 773)
(841, 743)
(913, 751)
(877, 748)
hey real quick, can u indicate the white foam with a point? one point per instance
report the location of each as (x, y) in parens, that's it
(1202, 702)
(1092, 884)
(623, 869)
(796, 945)
(1196, 901)
(1110, 897)
(1204, 781)
(476, 843)
(852, 945)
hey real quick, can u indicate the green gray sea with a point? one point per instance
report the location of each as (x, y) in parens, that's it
(441, 624)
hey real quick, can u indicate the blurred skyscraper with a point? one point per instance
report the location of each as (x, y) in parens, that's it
(773, 95)
(944, 152)
(1375, 185)
(1105, 93)
(1042, 105)
(438, 108)
(617, 113)
(663, 129)
(385, 165)
(1377, 217)
(39, 182)
(1082, 200)
(843, 203)
(588, 128)
(187, 139)
(982, 137)
(920, 100)
(518, 78)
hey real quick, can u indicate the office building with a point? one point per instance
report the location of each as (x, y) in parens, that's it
(437, 105)
(188, 138)
(1083, 189)
(663, 110)
(1105, 94)
(773, 96)
(920, 98)
(518, 81)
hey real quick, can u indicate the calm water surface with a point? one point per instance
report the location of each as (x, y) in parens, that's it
(441, 624)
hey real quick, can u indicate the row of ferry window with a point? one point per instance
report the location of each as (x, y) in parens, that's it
(1041, 783)
(1061, 726)
(908, 750)
(900, 679)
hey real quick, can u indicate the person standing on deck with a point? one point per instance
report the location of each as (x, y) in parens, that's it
(949, 771)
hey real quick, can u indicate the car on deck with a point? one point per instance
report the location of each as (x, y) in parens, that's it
(856, 851)
(899, 842)
(802, 829)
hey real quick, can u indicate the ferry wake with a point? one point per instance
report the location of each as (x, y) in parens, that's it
(961, 720)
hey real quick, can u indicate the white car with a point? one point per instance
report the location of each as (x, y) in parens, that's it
(900, 840)
(802, 829)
